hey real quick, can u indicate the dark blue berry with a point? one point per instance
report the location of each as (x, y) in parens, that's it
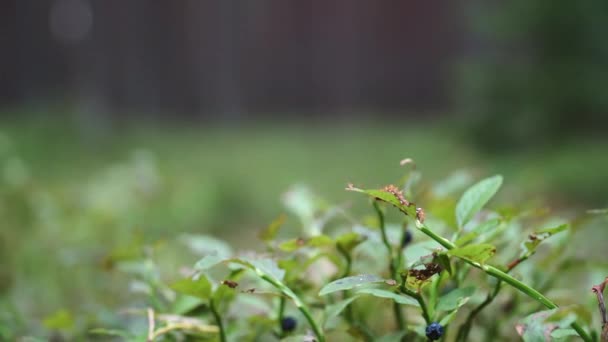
(434, 331)
(407, 238)
(288, 324)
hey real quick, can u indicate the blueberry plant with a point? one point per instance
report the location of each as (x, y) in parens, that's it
(398, 272)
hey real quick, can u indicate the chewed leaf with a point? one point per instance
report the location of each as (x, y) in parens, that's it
(530, 245)
(399, 298)
(475, 253)
(455, 298)
(197, 286)
(349, 283)
(420, 276)
(475, 198)
(392, 195)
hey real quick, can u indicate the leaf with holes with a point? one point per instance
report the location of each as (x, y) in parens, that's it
(529, 246)
(390, 195)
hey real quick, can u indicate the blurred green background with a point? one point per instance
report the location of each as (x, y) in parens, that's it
(198, 116)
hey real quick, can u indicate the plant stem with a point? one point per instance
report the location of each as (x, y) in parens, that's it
(280, 316)
(348, 311)
(500, 275)
(218, 320)
(393, 263)
(299, 304)
(425, 313)
(281, 308)
(465, 328)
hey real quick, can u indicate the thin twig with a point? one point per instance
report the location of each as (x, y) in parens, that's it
(208, 329)
(599, 291)
(151, 327)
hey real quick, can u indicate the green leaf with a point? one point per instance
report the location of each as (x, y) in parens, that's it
(320, 241)
(475, 198)
(476, 253)
(559, 334)
(204, 245)
(292, 245)
(394, 337)
(349, 241)
(59, 320)
(481, 229)
(298, 338)
(272, 230)
(295, 244)
(209, 261)
(417, 250)
(268, 266)
(565, 314)
(349, 283)
(335, 309)
(111, 332)
(197, 286)
(269, 271)
(449, 317)
(455, 299)
(529, 246)
(534, 329)
(399, 298)
(444, 261)
(301, 201)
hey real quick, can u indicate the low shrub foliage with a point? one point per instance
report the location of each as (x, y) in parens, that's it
(422, 262)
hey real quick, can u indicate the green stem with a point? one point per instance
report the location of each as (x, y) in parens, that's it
(465, 328)
(299, 304)
(218, 320)
(495, 272)
(418, 297)
(393, 263)
(348, 311)
(281, 308)
(280, 316)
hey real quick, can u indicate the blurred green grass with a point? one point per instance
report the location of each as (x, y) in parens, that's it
(69, 197)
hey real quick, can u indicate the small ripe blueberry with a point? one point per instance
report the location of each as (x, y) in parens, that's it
(434, 331)
(288, 324)
(407, 238)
